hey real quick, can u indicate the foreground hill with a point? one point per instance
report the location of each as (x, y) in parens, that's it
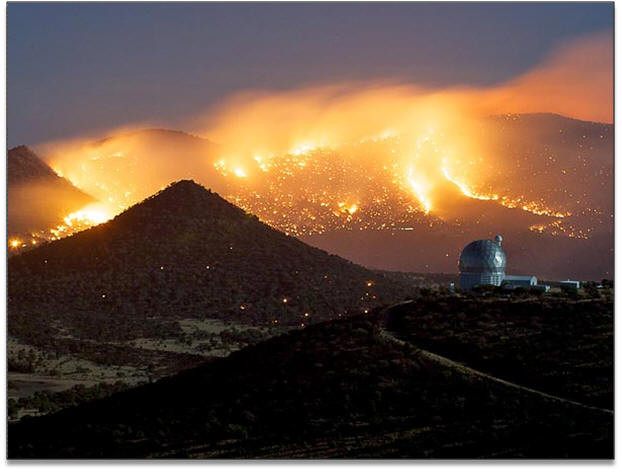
(177, 259)
(559, 346)
(344, 388)
(38, 199)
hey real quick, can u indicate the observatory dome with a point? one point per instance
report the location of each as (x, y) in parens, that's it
(483, 256)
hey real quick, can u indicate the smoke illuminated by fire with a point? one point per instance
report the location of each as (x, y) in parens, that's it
(379, 156)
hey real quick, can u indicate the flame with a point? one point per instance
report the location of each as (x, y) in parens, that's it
(420, 191)
(87, 217)
(239, 172)
(466, 190)
(530, 207)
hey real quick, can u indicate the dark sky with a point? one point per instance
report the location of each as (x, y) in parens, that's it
(76, 68)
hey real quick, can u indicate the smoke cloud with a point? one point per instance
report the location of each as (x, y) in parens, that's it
(576, 80)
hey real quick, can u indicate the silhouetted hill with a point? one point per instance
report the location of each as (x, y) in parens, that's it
(24, 165)
(38, 199)
(344, 388)
(169, 137)
(184, 253)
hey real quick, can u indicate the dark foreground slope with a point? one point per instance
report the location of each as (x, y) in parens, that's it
(38, 199)
(344, 388)
(184, 253)
(560, 346)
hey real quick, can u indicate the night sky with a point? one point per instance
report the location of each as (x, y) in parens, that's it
(73, 69)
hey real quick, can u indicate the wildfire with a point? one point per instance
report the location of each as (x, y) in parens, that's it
(312, 161)
(87, 217)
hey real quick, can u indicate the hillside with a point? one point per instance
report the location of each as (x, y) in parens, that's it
(563, 163)
(344, 388)
(525, 342)
(354, 200)
(164, 268)
(38, 199)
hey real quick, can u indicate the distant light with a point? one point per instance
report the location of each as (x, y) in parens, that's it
(285, 300)
(239, 172)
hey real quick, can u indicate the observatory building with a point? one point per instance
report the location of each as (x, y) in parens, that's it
(482, 262)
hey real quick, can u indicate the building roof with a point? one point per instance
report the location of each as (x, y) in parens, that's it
(511, 278)
(483, 256)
